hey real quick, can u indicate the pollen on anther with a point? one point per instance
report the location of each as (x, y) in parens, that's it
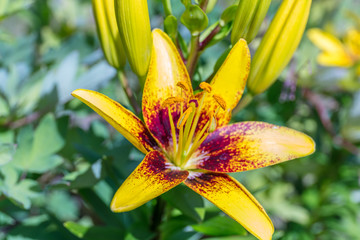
(171, 100)
(183, 86)
(205, 86)
(220, 101)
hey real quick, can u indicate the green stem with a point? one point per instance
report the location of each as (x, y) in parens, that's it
(193, 55)
(157, 216)
(167, 7)
(204, 4)
(129, 94)
(246, 100)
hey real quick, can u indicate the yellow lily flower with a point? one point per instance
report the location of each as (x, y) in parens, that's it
(334, 51)
(186, 137)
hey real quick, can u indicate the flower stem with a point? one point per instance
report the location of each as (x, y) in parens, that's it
(157, 216)
(193, 55)
(167, 7)
(204, 4)
(209, 37)
(246, 100)
(129, 94)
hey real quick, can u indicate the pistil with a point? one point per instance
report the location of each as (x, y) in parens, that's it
(189, 139)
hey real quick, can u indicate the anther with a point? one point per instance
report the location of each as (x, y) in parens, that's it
(220, 101)
(205, 86)
(171, 100)
(183, 85)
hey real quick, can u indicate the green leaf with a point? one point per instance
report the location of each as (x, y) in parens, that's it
(175, 228)
(9, 7)
(194, 19)
(86, 176)
(36, 149)
(20, 192)
(76, 229)
(6, 153)
(62, 205)
(220, 226)
(187, 201)
(94, 233)
(224, 31)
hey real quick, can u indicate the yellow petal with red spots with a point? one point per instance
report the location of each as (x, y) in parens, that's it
(228, 84)
(166, 71)
(334, 53)
(131, 127)
(233, 198)
(250, 145)
(151, 178)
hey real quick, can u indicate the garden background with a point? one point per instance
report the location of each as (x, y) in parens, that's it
(60, 163)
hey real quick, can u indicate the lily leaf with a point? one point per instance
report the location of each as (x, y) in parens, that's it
(187, 201)
(220, 226)
(36, 151)
(20, 192)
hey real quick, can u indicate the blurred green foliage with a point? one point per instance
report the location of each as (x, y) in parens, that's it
(60, 164)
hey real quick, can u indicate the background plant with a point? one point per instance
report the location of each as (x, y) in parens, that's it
(60, 164)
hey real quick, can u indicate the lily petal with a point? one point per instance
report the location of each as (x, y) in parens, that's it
(334, 51)
(229, 84)
(130, 126)
(233, 198)
(150, 179)
(165, 72)
(251, 145)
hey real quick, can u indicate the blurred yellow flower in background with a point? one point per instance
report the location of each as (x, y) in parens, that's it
(337, 53)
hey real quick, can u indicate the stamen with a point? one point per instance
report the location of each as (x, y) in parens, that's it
(198, 140)
(220, 101)
(173, 132)
(196, 120)
(171, 100)
(213, 124)
(183, 85)
(184, 117)
(205, 86)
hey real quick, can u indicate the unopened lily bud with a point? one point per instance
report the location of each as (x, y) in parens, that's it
(278, 44)
(194, 19)
(109, 33)
(135, 32)
(249, 16)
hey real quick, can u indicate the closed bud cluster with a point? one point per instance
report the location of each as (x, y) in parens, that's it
(108, 32)
(278, 44)
(249, 16)
(135, 32)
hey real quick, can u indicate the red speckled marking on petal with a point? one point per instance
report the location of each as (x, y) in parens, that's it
(251, 145)
(233, 198)
(154, 176)
(166, 70)
(130, 126)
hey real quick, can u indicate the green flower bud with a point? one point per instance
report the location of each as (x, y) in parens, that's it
(194, 19)
(170, 26)
(249, 16)
(135, 32)
(278, 44)
(108, 33)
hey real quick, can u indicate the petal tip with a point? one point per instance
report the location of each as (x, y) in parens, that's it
(78, 92)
